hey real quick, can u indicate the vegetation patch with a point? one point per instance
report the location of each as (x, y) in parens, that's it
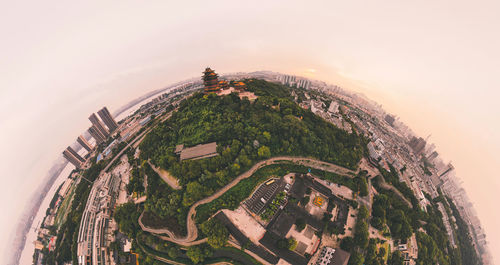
(246, 132)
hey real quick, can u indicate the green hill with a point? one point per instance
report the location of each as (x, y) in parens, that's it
(246, 132)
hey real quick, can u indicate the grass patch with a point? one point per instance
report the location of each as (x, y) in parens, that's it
(62, 211)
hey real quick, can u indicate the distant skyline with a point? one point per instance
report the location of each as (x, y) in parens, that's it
(433, 64)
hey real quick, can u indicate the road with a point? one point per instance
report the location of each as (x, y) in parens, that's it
(192, 230)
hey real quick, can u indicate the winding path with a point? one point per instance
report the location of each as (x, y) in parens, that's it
(192, 230)
(374, 172)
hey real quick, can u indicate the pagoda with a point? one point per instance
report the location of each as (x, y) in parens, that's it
(210, 80)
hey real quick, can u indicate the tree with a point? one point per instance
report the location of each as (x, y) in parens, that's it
(399, 225)
(264, 152)
(363, 186)
(395, 259)
(347, 243)
(173, 252)
(235, 169)
(198, 254)
(300, 224)
(361, 234)
(126, 216)
(194, 192)
(362, 212)
(267, 137)
(216, 232)
(292, 243)
(356, 258)
(381, 252)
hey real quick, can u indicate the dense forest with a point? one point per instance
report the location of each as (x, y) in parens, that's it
(246, 132)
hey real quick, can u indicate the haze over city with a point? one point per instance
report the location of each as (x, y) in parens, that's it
(432, 64)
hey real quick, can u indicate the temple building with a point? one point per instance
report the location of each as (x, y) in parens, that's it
(210, 80)
(223, 84)
(223, 87)
(239, 86)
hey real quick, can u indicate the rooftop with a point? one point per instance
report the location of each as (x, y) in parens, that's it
(200, 151)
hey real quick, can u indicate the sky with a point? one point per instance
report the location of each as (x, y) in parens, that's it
(435, 64)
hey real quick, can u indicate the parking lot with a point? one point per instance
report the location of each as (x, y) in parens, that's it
(264, 195)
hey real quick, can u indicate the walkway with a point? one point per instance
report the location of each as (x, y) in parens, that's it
(192, 230)
(373, 172)
(169, 179)
(162, 259)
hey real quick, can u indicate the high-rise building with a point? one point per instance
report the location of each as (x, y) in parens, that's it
(97, 135)
(303, 83)
(417, 144)
(108, 119)
(73, 157)
(390, 119)
(448, 168)
(99, 125)
(288, 80)
(432, 156)
(84, 143)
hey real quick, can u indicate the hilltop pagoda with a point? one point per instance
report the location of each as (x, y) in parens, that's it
(210, 80)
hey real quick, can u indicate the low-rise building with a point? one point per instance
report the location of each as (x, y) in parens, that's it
(333, 256)
(197, 152)
(93, 234)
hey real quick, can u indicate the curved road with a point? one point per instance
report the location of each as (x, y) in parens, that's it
(192, 230)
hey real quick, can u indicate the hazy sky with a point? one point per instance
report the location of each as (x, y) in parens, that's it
(433, 63)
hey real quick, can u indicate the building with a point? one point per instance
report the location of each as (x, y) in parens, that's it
(145, 120)
(94, 233)
(432, 156)
(390, 119)
(334, 107)
(73, 157)
(97, 135)
(239, 86)
(417, 144)
(108, 119)
(303, 83)
(333, 256)
(99, 125)
(210, 80)
(409, 251)
(198, 152)
(223, 84)
(448, 168)
(288, 80)
(84, 143)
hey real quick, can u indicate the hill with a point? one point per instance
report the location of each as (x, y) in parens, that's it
(246, 132)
